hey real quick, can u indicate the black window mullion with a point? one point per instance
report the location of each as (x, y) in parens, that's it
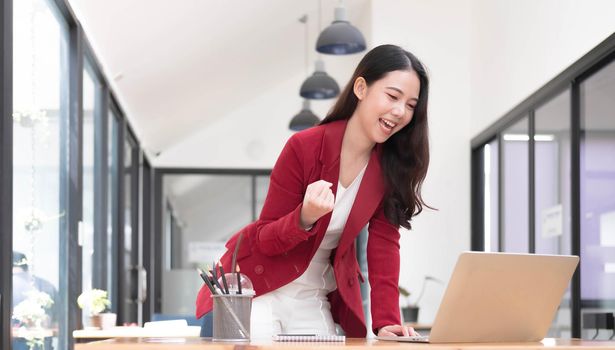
(532, 183)
(113, 207)
(141, 240)
(71, 188)
(477, 239)
(147, 237)
(134, 223)
(6, 172)
(158, 212)
(575, 165)
(119, 224)
(75, 273)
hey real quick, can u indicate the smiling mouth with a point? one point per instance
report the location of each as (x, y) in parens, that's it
(387, 124)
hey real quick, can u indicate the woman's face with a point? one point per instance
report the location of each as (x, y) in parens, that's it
(387, 105)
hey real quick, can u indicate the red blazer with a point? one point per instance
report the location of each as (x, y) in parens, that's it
(275, 250)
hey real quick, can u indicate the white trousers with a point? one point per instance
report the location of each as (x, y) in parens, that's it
(299, 307)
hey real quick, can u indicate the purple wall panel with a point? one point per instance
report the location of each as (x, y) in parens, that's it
(547, 181)
(516, 197)
(597, 198)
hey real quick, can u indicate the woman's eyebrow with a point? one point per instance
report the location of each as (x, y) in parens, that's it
(401, 92)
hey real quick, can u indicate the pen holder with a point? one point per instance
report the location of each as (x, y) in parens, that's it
(232, 317)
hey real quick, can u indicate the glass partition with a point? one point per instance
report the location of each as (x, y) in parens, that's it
(552, 176)
(129, 251)
(598, 194)
(515, 181)
(201, 212)
(491, 196)
(90, 91)
(552, 191)
(112, 232)
(40, 121)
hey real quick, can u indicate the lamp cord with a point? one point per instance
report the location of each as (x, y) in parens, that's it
(306, 45)
(319, 21)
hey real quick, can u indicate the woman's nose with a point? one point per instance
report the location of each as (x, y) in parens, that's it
(398, 111)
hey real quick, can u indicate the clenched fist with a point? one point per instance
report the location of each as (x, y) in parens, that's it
(318, 201)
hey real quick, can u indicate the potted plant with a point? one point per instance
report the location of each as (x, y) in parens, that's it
(32, 319)
(95, 302)
(410, 311)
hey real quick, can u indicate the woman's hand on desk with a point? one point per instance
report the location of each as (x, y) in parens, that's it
(395, 330)
(317, 202)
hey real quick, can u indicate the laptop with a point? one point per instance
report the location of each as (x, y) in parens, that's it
(500, 297)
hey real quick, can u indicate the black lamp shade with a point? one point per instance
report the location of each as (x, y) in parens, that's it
(304, 119)
(320, 86)
(341, 37)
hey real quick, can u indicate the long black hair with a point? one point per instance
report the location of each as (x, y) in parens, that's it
(405, 155)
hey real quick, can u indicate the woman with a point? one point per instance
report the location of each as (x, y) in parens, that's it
(364, 164)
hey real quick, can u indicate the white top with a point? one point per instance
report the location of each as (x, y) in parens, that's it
(319, 276)
(308, 292)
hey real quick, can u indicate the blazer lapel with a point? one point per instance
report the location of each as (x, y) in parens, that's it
(368, 197)
(370, 191)
(330, 151)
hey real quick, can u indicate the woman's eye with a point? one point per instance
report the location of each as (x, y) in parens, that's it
(394, 98)
(410, 106)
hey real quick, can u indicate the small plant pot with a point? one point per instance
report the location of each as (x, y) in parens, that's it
(103, 321)
(410, 314)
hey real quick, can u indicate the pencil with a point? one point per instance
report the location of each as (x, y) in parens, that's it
(215, 279)
(223, 278)
(238, 280)
(207, 281)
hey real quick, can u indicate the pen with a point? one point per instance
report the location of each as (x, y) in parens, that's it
(207, 281)
(234, 258)
(223, 277)
(238, 280)
(213, 271)
(215, 279)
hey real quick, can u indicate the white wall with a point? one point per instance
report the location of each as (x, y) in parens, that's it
(438, 33)
(518, 46)
(253, 132)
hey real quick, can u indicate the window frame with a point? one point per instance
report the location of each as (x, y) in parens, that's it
(6, 171)
(76, 50)
(158, 211)
(570, 79)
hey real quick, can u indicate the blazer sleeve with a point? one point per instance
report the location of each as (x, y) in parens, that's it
(278, 228)
(383, 269)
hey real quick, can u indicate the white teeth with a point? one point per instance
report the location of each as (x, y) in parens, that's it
(388, 123)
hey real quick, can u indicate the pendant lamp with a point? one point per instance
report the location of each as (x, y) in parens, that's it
(341, 37)
(304, 119)
(320, 86)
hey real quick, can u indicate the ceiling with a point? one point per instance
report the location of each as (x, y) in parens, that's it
(178, 67)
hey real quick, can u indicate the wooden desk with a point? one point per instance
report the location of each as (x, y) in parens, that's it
(88, 335)
(200, 344)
